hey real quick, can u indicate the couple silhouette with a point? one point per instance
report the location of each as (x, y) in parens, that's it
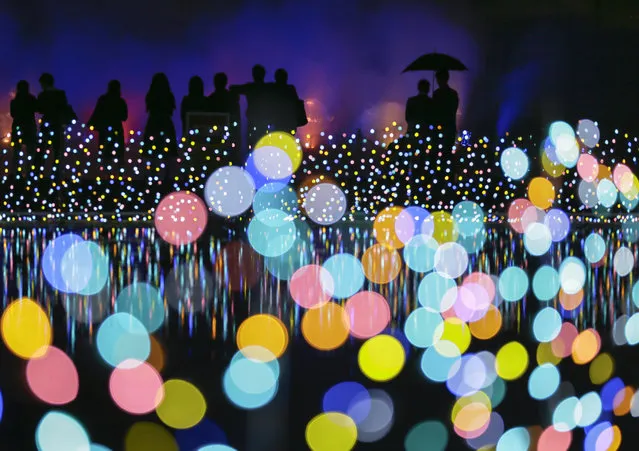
(438, 110)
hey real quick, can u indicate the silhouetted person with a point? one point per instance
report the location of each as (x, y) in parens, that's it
(23, 108)
(284, 103)
(107, 118)
(446, 102)
(194, 102)
(56, 112)
(257, 99)
(420, 109)
(160, 105)
(223, 101)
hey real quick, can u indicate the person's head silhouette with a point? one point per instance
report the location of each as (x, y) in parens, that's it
(160, 83)
(423, 86)
(281, 76)
(220, 81)
(46, 81)
(114, 88)
(22, 88)
(196, 86)
(259, 73)
(442, 77)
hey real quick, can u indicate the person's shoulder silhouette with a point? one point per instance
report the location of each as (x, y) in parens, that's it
(419, 108)
(111, 109)
(52, 102)
(195, 101)
(24, 105)
(445, 97)
(159, 99)
(223, 100)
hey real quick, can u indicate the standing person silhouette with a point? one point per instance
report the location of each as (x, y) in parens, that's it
(223, 101)
(23, 130)
(420, 109)
(446, 102)
(194, 102)
(284, 103)
(56, 112)
(160, 105)
(110, 112)
(160, 130)
(257, 93)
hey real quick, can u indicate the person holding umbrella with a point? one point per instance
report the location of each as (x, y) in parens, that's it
(446, 102)
(445, 99)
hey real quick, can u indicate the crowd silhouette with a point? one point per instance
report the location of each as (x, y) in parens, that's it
(271, 106)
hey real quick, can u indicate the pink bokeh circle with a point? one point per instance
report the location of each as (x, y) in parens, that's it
(587, 167)
(368, 313)
(53, 377)
(180, 218)
(136, 387)
(311, 286)
(515, 213)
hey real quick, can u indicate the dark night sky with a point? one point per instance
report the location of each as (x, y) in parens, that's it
(347, 57)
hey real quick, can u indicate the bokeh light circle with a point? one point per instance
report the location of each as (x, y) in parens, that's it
(183, 405)
(122, 337)
(136, 387)
(266, 331)
(381, 358)
(347, 275)
(180, 218)
(369, 314)
(326, 327)
(325, 204)
(26, 329)
(511, 361)
(331, 431)
(53, 377)
(311, 286)
(58, 431)
(514, 163)
(229, 191)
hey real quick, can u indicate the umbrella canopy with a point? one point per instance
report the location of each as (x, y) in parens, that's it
(435, 61)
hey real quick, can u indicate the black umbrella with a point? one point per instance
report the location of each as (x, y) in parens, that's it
(435, 62)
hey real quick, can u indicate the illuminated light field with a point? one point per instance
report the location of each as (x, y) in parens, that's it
(504, 324)
(374, 169)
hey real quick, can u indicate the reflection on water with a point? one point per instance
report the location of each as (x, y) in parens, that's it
(221, 281)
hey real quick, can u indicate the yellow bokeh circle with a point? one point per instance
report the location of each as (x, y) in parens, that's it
(381, 358)
(545, 354)
(331, 431)
(326, 327)
(183, 405)
(455, 331)
(471, 413)
(552, 169)
(381, 264)
(264, 331)
(541, 193)
(601, 368)
(286, 142)
(511, 361)
(146, 436)
(385, 227)
(445, 227)
(26, 329)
